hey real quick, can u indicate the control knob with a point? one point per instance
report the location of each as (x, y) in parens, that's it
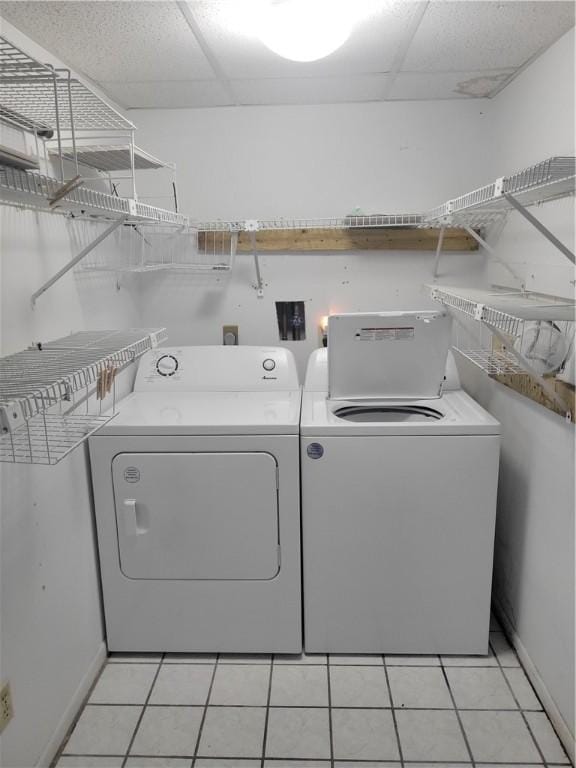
(167, 365)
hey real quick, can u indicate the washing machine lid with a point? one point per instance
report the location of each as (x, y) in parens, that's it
(388, 354)
(455, 413)
(206, 413)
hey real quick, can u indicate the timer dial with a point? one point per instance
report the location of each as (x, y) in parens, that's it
(167, 365)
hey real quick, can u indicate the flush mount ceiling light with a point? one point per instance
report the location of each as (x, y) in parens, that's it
(300, 30)
(305, 30)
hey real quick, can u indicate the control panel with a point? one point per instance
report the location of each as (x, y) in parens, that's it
(217, 368)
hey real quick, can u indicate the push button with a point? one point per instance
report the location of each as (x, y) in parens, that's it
(269, 364)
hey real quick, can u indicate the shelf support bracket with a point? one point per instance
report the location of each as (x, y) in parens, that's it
(438, 251)
(72, 263)
(532, 372)
(480, 240)
(251, 226)
(540, 227)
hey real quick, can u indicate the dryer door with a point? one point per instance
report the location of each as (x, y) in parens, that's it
(197, 515)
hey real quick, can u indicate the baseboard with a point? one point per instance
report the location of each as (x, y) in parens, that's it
(73, 708)
(548, 703)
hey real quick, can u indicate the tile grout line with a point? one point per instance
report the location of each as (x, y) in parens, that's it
(204, 712)
(522, 715)
(392, 709)
(456, 710)
(330, 726)
(141, 717)
(267, 715)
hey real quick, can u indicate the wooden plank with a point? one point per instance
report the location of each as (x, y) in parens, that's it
(525, 385)
(373, 239)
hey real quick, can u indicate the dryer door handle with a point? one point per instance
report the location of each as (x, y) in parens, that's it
(131, 518)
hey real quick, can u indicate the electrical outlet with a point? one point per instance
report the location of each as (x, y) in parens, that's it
(230, 335)
(6, 711)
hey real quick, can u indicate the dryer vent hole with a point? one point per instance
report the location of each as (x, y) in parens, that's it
(291, 320)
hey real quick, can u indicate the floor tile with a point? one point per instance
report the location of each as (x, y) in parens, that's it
(546, 737)
(309, 658)
(233, 732)
(134, 658)
(475, 688)
(412, 661)
(124, 684)
(190, 658)
(245, 658)
(219, 762)
(241, 684)
(298, 733)
(73, 761)
(441, 765)
(470, 661)
(159, 762)
(503, 650)
(359, 659)
(103, 730)
(522, 689)
(186, 684)
(431, 735)
(500, 737)
(419, 687)
(299, 686)
(359, 687)
(297, 764)
(168, 731)
(370, 764)
(364, 734)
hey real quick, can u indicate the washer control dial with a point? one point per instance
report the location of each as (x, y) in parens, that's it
(269, 364)
(167, 365)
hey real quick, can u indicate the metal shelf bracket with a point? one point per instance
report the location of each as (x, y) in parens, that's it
(540, 227)
(480, 240)
(252, 226)
(72, 263)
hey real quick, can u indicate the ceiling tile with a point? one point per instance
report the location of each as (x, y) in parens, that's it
(167, 94)
(448, 85)
(371, 47)
(113, 40)
(482, 34)
(310, 90)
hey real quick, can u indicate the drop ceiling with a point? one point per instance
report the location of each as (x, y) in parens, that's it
(148, 54)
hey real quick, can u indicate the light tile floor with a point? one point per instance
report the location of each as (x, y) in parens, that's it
(231, 711)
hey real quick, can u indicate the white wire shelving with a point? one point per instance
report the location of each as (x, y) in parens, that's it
(547, 180)
(53, 396)
(507, 332)
(372, 221)
(113, 157)
(149, 247)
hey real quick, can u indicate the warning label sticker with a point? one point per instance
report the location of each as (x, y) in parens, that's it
(385, 334)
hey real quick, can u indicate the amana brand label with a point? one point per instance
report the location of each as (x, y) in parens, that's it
(315, 451)
(383, 333)
(132, 474)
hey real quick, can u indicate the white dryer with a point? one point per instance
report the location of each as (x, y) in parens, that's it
(398, 494)
(196, 487)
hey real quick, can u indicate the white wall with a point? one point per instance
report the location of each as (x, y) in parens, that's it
(533, 119)
(317, 161)
(51, 633)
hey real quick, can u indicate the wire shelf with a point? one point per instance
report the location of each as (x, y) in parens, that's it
(51, 396)
(548, 180)
(35, 92)
(154, 248)
(112, 158)
(493, 362)
(343, 222)
(34, 191)
(505, 310)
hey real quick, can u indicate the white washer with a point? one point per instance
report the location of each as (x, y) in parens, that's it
(196, 487)
(398, 505)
